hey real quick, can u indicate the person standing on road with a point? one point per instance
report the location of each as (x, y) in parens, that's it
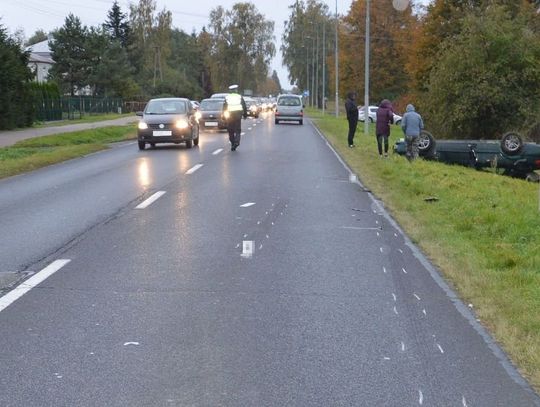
(235, 108)
(385, 117)
(412, 124)
(352, 116)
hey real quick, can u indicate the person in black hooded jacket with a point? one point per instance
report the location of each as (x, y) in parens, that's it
(352, 116)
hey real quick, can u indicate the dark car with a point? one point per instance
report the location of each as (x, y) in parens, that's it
(511, 154)
(253, 108)
(211, 114)
(168, 120)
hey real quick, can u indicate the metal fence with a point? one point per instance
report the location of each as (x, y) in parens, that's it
(68, 108)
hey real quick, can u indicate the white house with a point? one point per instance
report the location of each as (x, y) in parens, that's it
(40, 61)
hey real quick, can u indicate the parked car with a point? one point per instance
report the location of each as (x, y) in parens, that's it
(511, 154)
(168, 120)
(373, 115)
(289, 108)
(211, 114)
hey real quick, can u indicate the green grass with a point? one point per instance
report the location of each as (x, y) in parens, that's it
(84, 119)
(34, 153)
(483, 233)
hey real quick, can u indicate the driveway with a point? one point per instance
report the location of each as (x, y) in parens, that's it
(8, 138)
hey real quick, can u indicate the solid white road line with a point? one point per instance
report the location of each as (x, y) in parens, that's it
(420, 397)
(440, 348)
(151, 200)
(219, 150)
(193, 169)
(247, 205)
(33, 281)
(416, 296)
(242, 134)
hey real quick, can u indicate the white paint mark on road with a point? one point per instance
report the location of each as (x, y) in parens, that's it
(272, 223)
(395, 234)
(219, 150)
(268, 237)
(384, 270)
(193, 169)
(416, 296)
(424, 312)
(358, 228)
(146, 203)
(440, 348)
(401, 251)
(245, 235)
(258, 222)
(395, 311)
(405, 271)
(249, 128)
(33, 281)
(386, 358)
(402, 346)
(420, 397)
(237, 246)
(464, 402)
(260, 247)
(381, 249)
(247, 205)
(132, 343)
(247, 248)
(378, 234)
(242, 133)
(394, 297)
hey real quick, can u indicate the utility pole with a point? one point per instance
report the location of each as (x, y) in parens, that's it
(337, 66)
(157, 65)
(366, 73)
(323, 67)
(317, 72)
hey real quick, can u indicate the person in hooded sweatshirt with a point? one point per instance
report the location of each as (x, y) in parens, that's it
(412, 124)
(385, 117)
(352, 116)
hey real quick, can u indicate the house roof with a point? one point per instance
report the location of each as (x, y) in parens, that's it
(40, 58)
(40, 48)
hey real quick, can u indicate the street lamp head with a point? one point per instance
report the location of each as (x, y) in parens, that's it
(400, 5)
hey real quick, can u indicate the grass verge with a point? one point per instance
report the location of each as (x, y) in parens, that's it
(483, 233)
(37, 152)
(84, 119)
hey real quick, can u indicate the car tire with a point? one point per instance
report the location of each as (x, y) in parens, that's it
(142, 145)
(532, 177)
(370, 120)
(300, 122)
(276, 121)
(511, 143)
(189, 143)
(398, 123)
(152, 145)
(426, 144)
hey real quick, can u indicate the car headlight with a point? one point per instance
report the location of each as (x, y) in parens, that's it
(142, 126)
(181, 124)
(226, 114)
(198, 116)
(253, 108)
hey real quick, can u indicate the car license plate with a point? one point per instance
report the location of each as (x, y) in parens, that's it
(211, 124)
(159, 133)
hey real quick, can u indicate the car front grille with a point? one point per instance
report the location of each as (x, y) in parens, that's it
(157, 126)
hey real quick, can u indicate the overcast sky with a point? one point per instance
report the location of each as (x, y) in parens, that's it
(188, 15)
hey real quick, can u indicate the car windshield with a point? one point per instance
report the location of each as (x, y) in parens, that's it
(166, 107)
(212, 104)
(289, 101)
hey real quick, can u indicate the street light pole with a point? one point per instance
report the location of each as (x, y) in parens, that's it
(323, 68)
(337, 66)
(366, 73)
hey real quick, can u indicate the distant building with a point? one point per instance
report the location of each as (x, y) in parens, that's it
(40, 61)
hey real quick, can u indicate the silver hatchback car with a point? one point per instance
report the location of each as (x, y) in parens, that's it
(289, 108)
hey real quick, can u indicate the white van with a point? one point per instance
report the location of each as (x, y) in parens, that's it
(289, 108)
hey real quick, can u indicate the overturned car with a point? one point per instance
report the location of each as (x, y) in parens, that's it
(511, 155)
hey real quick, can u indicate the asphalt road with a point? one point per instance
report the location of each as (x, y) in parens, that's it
(261, 277)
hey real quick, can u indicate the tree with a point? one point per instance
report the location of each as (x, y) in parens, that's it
(117, 25)
(275, 79)
(68, 47)
(15, 94)
(390, 35)
(242, 46)
(487, 80)
(38, 36)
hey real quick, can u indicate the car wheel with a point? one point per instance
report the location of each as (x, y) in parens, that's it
(189, 143)
(511, 143)
(300, 122)
(398, 122)
(276, 121)
(152, 145)
(142, 145)
(370, 120)
(426, 143)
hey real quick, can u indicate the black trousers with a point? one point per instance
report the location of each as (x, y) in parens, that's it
(234, 126)
(352, 129)
(380, 139)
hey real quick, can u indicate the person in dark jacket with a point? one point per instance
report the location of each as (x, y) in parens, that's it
(352, 116)
(385, 117)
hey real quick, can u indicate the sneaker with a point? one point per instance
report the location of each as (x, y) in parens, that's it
(351, 145)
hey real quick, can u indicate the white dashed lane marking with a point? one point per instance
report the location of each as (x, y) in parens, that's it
(219, 150)
(247, 204)
(193, 169)
(146, 203)
(33, 281)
